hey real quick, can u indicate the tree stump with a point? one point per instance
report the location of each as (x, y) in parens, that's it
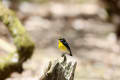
(60, 69)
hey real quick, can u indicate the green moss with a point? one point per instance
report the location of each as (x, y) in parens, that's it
(7, 60)
(21, 39)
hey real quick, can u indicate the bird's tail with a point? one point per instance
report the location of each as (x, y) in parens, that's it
(70, 52)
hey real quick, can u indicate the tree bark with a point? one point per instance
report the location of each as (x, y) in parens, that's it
(61, 69)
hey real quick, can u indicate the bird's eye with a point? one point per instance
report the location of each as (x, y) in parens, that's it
(61, 40)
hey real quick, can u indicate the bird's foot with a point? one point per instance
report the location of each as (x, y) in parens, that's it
(64, 56)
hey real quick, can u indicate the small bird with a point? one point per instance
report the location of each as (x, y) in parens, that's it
(64, 46)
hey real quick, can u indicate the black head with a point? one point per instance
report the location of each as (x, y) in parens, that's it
(62, 39)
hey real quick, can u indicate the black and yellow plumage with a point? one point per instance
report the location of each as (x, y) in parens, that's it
(64, 46)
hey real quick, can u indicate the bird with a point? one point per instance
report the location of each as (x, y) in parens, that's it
(64, 46)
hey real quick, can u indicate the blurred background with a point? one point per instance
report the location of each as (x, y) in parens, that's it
(91, 27)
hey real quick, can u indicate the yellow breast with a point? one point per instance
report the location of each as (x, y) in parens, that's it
(62, 47)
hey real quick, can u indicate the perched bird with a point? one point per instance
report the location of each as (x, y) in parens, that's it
(64, 46)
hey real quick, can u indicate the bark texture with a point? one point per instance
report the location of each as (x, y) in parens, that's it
(61, 69)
